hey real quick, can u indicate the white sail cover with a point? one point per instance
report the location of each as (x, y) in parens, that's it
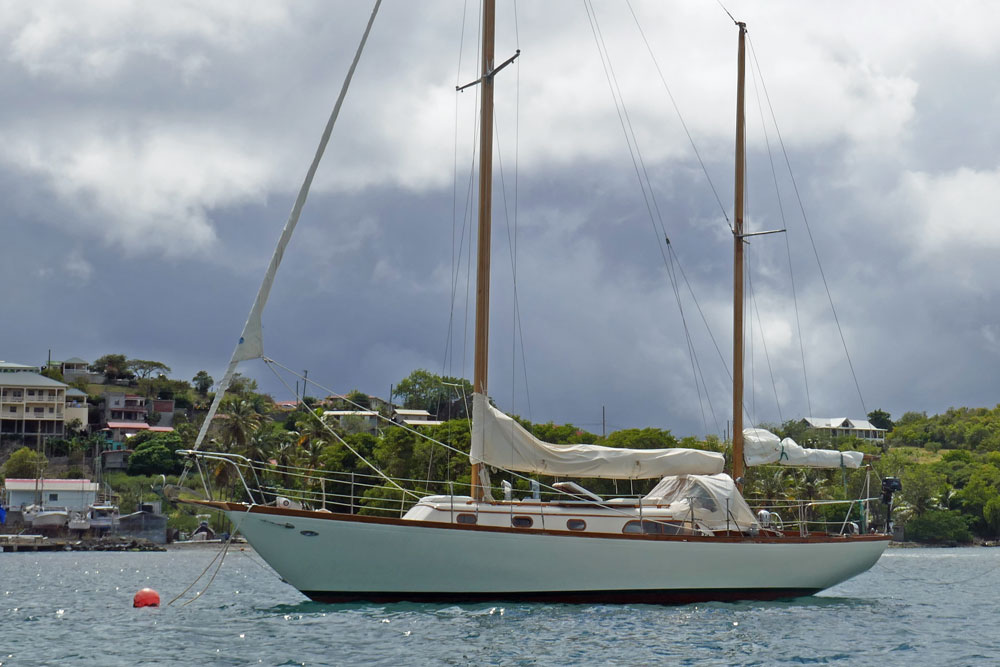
(498, 440)
(711, 499)
(761, 446)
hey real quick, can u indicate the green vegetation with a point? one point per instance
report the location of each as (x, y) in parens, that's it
(25, 463)
(949, 464)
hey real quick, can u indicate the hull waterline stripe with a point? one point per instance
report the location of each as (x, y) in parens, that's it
(667, 597)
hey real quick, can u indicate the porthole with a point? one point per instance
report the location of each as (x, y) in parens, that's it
(308, 533)
(576, 524)
(468, 519)
(521, 521)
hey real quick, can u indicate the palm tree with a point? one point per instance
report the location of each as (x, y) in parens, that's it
(241, 419)
(241, 422)
(314, 436)
(809, 486)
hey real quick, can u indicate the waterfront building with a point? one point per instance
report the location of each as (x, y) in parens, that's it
(72, 494)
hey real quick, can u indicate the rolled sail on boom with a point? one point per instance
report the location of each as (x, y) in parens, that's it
(762, 446)
(498, 440)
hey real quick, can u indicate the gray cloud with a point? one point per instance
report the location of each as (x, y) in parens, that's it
(152, 152)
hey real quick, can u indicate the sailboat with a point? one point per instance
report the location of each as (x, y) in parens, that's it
(692, 538)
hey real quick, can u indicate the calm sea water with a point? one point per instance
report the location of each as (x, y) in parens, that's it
(915, 607)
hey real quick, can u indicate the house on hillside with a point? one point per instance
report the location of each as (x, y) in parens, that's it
(32, 405)
(363, 421)
(414, 417)
(11, 367)
(164, 407)
(836, 427)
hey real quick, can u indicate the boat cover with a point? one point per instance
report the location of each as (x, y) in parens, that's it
(761, 446)
(498, 440)
(715, 500)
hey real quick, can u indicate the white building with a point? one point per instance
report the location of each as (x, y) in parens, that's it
(835, 427)
(415, 418)
(32, 405)
(73, 494)
(366, 419)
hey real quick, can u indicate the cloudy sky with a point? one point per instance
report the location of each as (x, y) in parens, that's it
(150, 154)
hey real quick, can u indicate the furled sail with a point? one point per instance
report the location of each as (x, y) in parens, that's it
(251, 343)
(498, 440)
(761, 446)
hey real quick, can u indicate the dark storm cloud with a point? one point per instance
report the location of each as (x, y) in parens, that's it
(146, 170)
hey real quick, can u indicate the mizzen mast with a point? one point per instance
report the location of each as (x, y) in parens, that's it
(738, 465)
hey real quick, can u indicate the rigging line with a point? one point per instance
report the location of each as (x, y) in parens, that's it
(378, 415)
(812, 240)
(517, 190)
(788, 250)
(639, 164)
(454, 187)
(456, 267)
(695, 369)
(334, 433)
(677, 110)
(623, 118)
(727, 11)
(465, 238)
(251, 336)
(631, 130)
(512, 247)
(704, 320)
(418, 434)
(767, 357)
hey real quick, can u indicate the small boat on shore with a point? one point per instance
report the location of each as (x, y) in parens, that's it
(46, 517)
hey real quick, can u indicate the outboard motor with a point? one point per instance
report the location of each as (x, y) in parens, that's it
(889, 486)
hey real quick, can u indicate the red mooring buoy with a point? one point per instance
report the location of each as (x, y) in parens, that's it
(147, 597)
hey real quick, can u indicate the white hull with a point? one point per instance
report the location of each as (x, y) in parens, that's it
(49, 519)
(341, 558)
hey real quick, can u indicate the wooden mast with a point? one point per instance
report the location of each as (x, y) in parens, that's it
(738, 466)
(481, 368)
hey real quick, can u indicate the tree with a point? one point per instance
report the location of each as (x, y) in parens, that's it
(991, 513)
(939, 526)
(112, 367)
(241, 385)
(202, 382)
(359, 399)
(241, 419)
(75, 426)
(880, 419)
(444, 397)
(153, 458)
(25, 463)
(53, 373)
(144, 369)
(921, 488)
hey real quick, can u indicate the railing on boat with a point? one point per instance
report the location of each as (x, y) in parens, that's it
(268, 483)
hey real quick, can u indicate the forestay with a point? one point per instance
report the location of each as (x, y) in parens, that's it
(498, 440)
(761, 446)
